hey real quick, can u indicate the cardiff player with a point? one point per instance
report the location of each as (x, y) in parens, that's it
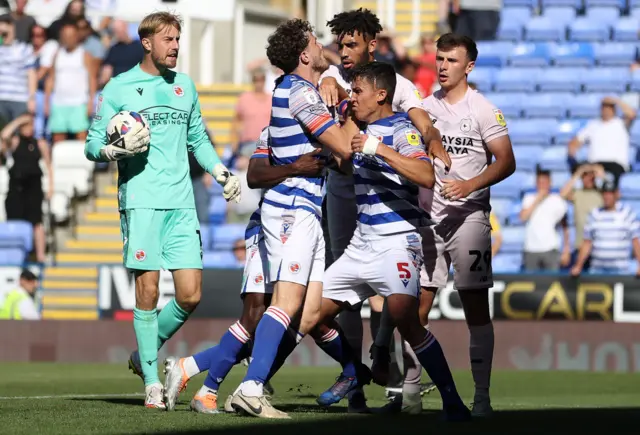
(158, 221)
(256, 291)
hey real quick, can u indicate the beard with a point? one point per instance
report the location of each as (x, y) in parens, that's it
(320, 64)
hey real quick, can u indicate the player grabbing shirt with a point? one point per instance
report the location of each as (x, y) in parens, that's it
(158, 221)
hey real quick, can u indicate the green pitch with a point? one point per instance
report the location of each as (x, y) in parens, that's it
(105, 399)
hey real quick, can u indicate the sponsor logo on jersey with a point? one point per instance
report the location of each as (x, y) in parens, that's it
(417, 92)
(164, 115)
(310, 95)
(178, 91)
(287, 225)
(258, 279)
(413, 138)
(294, 267)
(500, 117)
(457, 145)
(140, 255)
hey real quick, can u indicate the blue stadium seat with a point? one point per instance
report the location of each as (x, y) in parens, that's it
(561, 79)
(603, 14)
(630, 185)
(483, 78)
(133, 30)
(510, 104)
(560, 178)
(509, 31)
(554, 158)
(527, 156)
(615, 53)
(512, 239)
(512, 187)
(620, 4)
(634, 132)
(517, 14)
(634, 8)
(546, 105)
(12, 256)
(527, 3)
(205, 236)
(635, 81)
(585, 105)
(500, 208)
(572, 54)
(573, 3)
(532, 131)
(493, 53)
(586, 29)
(626, 29)
(224, 236)
(566, 131)
(544, 29)
(560, 14)
(513, 219)
(220, 260)
(635, 206)
(506, 263)
(217, 209)
(529, 54)
(215, 189)
(516, 79)
(16, 234)
(607, 80)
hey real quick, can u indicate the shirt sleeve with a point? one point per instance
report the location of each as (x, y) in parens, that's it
(491, 119)
(198, 141)
(28, 310)
(307, 108)
(406, 95)
(106, 107)
(262, 145)
(587, 233)
(528, 199)
(633, 224)
(47, 53)
(584, 134)
(408, 142)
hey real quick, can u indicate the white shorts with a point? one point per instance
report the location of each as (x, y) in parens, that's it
(255, 278)
(342, 216)
(390, 265)
(295, 245)
(467, 246)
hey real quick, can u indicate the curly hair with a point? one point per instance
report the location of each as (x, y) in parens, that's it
(360, 20)
(287, 43)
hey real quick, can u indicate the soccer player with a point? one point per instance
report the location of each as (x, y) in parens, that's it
(473, 131)
(356, 32)
(255, 293)
(384, 255)
(291, 210)
(158, 221)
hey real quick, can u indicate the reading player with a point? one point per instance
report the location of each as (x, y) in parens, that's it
(473, 131)
(158, 221)
(256, 291)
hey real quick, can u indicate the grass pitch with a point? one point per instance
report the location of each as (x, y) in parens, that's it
(107, 399)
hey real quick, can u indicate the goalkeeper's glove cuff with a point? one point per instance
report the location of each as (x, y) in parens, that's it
(113, 153)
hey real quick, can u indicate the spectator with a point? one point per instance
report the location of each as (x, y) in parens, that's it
(253, 112)
(25, 195)
(74, 11)
(477, 19)
(41, 50)
(271, 73)
(123, 55)
(608, 138)
(390, 50)
(426, 76)
(584, 199)
(201, 181)
(446, 19)
(18, 79)
(240, 251)
(72, 80)
(496, 234)
(542, 211)
(91, 41)
(609, 234)
(408, 71)
(23, 22)
(19, 303)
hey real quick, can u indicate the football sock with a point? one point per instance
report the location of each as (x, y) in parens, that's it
(288, 344)
(334, 344)
(351, 324)
(412, 370)
(385, 331)
(145, 325)
(269, 333)
(224, 356)
(170, 319)
(432, 358)
(481, 355)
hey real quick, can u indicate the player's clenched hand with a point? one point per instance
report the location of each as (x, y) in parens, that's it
(309, 165)
(454, 190)
(229, 182)
(365, 144)
(437, 151)
(136, 141)
(329, 91)
(576, 271)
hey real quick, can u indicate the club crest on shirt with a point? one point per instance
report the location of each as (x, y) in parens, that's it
(310, 95)
(465, 125)
(500, 117)
(287, 225)
(140, 255)
(178, 91)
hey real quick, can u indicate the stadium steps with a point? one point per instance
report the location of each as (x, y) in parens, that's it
(218, 104)
(70, 293)
(403, 16)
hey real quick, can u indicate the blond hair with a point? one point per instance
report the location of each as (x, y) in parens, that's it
(155, 22)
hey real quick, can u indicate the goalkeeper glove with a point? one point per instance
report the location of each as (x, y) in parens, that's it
(135, 141)
(229, 182)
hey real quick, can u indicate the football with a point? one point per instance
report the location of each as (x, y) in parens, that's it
(121, 123)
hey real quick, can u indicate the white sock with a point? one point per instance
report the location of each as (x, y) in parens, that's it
(481, 355)
(190, 367)
(204, 390)
(251, 389)
(412, 370)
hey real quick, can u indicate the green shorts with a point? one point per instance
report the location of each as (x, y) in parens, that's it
(161, 239)
(68, 119)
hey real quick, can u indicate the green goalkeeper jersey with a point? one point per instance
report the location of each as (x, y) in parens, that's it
(159, 178)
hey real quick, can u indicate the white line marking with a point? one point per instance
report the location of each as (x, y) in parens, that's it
(72, 396)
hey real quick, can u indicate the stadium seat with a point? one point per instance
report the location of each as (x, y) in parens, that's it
(620, 4)
(634, 8)
(224, 236)
(526, 3)
(506, 263)
(513, 218)
(607, 80)
(587, 29)
(532, 131)
(560, 178)
(512, 187)
(554, 158)
(217, 209)
(560, 14)
(527, 156)
(635, 206)
(512, 239)
(615, 53)
(510, 103)
(16, 234)
(572, 54)
(630, 185)
(561, 79)
(483, 78)
(517, 14)
(500, 208)
(493, 53)
(635, 81)
(566, 131)
(72, 171)
(529, 54)
(205, 236)
(516, 79)
(509, 31)
(544, 29)
(12, 256)
(603, 14)
(546, 105)
(585, 105)
(577, 4)
(220, 260)
(626, 29)
(634, 132)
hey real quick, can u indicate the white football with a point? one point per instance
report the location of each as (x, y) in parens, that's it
(121, 123)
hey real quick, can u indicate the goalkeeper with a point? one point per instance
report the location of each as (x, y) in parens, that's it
(158, 220)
